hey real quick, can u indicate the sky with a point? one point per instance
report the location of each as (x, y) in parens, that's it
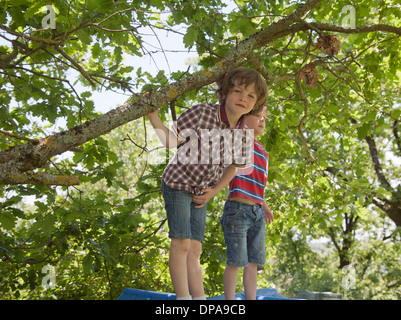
(175, 58)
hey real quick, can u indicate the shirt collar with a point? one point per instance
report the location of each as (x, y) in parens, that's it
(222, 116)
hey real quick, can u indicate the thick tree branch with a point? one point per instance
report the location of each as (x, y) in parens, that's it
(303, 26)
(374, 155)
(364, 29)
(41, 178)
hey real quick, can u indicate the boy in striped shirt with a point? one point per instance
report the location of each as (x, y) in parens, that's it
(244, 217)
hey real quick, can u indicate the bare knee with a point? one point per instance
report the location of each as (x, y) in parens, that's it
(251, 267)
(230, 269)
(180, 246)
(195, 250)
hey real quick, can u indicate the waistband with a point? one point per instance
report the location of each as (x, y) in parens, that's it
(239, 204)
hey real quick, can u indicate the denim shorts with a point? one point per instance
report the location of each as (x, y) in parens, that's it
(244, 233)
(184, 220)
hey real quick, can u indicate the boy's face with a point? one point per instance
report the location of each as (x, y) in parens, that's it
(257, 122)
(241, 99)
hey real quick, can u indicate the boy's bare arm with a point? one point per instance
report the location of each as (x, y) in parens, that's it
(204, 198)
(268, 214)
(166, 136)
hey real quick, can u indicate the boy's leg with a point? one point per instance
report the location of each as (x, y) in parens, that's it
(250, 281)
(198, 222)
(235, 227)
(178, 266)
(178, 208)
(194, 270)
(230, 282)
(256, 254)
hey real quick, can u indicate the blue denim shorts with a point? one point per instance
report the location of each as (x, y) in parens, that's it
(244, 233)
(184, 220)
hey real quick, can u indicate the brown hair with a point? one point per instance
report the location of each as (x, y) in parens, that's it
(240, 76)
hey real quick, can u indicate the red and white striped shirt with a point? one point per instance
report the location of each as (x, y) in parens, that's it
(250, 183)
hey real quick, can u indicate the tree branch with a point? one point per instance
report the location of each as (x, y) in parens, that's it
(76, 65)
(16, 136)
(365, 29)
(305, 115)
(396, 136)
(376, 163)
(40, 178)
(374, 155)
(269, 77)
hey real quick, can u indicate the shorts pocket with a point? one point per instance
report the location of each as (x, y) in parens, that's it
(234, 223)
(231, 209)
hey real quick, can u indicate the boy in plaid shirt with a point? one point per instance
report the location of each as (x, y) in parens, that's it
(192, 178)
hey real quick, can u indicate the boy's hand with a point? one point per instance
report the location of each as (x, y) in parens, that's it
(204, 198)
(268, 215)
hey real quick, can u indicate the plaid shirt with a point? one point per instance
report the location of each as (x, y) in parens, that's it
(208, 147)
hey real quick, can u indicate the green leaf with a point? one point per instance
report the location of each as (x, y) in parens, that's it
(100, 5)
(396, 113)
(47, 224)
(191, 36)
(87, 263)
(339, 219)
(363, 131)
(242, 25)
(7, 220)
(35, 9)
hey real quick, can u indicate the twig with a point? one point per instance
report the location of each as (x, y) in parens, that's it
(76, 64)
(299, 126)
(18, 137)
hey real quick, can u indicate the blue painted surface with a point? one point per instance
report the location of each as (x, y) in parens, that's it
(136, 294)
